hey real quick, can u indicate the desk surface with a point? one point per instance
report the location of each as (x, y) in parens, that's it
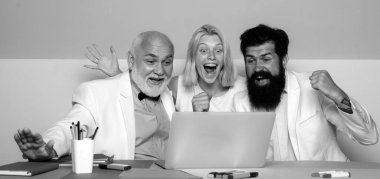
(299, 169)
(303, 169)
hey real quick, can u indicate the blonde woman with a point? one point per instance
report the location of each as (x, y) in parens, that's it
(209, 81)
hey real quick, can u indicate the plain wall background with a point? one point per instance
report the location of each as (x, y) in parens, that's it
(46, 29)
(42, 43)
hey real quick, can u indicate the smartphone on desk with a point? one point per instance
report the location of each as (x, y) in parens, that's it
(114, 166)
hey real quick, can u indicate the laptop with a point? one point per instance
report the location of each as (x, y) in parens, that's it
(218, 140)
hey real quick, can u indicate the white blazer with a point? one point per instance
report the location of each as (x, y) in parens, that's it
(313, 120)
(108, 104)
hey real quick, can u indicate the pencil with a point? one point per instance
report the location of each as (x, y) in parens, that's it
(75, 131)
(72, 131)
(93, 135)
(78, 125)
(81, 134)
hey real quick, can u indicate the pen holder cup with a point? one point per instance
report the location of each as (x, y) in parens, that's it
(82, 153)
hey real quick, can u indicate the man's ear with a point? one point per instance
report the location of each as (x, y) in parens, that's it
(131, 59)
(285, 61)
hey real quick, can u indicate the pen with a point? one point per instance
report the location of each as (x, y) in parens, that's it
(81, 134)
(216, 174)
(93, 135)
(75, 131)
(72, 132)
(232, 174)
(240, 175)
(331, 174)
(79, 131)
(115, 166)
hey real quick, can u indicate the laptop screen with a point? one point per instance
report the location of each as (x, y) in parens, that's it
(218, 139)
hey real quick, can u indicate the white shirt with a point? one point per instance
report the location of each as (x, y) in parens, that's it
(280, 135)
(223, 103)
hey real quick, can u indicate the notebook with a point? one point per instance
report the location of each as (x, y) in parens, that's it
(218, 140)
(66, 160)
(27, 168)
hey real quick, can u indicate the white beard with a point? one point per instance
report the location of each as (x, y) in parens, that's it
(152, 91)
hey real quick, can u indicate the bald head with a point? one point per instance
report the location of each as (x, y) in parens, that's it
(151, 39)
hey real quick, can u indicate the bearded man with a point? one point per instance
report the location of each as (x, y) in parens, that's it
(132, 110)
(309, 108)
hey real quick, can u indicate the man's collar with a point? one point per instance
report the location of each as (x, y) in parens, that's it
(291, 82)
(133, 84)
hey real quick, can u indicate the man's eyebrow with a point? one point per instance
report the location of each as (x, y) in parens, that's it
(150, 55)
(265, 54)
(169, 56)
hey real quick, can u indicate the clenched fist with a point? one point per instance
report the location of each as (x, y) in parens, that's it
(201, 102)
(322, 81)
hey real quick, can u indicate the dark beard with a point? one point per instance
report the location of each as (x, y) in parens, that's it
(269, 96)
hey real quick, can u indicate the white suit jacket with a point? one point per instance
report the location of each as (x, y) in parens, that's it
(313, 120)
(108, 104)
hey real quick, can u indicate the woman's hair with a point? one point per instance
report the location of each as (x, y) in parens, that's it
(227, 75)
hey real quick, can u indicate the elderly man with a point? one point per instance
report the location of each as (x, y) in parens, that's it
(132, 110)
(309, 108)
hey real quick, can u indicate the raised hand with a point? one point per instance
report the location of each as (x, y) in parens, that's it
(33, 147)
(201, 102)
(322, 81)
(109, 66)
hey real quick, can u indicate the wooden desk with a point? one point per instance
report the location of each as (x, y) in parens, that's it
(303, 169)
(299, 169)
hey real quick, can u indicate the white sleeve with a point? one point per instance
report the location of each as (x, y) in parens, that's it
(82, 111)
(359, 125)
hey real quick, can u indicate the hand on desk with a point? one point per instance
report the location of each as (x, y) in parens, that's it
(33, 146)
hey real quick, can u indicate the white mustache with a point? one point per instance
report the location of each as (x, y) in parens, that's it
(158, 77)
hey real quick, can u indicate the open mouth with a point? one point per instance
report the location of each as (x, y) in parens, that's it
(258, 78)
(210, 67)
(156, 81)
(261, 80)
